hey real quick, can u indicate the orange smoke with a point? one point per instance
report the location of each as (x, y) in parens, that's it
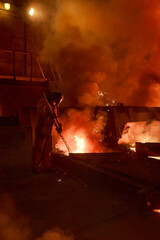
(117, 42)
(107, 46)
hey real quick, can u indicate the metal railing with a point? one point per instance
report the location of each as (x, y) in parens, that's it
(24, 66)
(16, 65)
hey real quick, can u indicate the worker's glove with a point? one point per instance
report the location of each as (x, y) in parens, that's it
(59, 128)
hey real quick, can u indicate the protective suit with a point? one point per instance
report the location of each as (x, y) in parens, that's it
(47, 118)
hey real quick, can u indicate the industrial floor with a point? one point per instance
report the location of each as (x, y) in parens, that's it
(54, 206)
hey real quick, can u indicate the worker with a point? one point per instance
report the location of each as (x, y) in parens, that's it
(47, 117)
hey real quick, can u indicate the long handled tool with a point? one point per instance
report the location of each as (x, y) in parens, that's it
(55, 123)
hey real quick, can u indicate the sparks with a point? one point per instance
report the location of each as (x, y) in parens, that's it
(100, 94)
(133, 147)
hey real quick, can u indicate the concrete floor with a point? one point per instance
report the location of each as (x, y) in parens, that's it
(56, 207)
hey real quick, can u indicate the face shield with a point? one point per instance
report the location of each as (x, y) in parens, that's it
(55, 98)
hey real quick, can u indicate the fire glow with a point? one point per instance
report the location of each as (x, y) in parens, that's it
(133, 147)
(82, 131)
(78, 142)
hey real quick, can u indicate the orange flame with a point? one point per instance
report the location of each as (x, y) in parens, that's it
(78, 141)
(80, 144)
(82, 132)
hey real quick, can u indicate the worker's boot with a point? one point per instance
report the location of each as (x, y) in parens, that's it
(47, 163)
(37, 156)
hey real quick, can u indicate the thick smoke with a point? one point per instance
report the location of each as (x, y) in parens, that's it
(12, 224)
(140, 132)
(109, 46)
(55, 234)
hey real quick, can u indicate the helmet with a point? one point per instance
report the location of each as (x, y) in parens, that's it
(55, 98)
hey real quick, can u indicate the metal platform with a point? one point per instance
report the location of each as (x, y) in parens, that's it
(126, 171)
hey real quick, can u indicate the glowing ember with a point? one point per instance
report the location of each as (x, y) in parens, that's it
(100, 94)
(133, 147)
(59, 180)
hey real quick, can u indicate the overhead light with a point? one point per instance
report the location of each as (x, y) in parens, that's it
(31, 11)
(7, 6)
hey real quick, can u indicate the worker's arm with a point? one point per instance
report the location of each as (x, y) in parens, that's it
(58, 126)
(51, 112)
(53, 116)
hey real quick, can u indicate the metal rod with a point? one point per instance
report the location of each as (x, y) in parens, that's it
(63, 139)
(40, 68)
(65, 142)
(10, 51)
(31, 66)
(14, 70)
